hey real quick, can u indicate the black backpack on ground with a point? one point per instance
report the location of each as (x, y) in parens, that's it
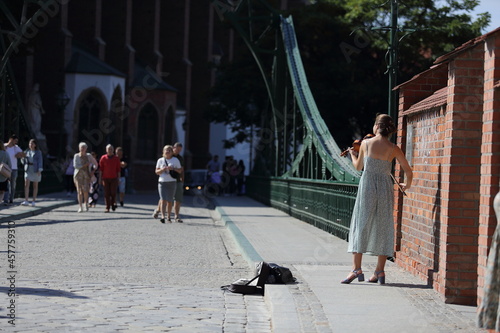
(279, 275)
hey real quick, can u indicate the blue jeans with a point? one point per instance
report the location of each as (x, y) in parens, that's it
(9, 195)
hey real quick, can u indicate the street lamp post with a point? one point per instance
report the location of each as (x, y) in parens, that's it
(62, 100)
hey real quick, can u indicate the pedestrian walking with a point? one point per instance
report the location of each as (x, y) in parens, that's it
(489, 309)
(95, 181)
(15, 153)
(122, 182)
(83, 162)
(69, 173)
(4, 158)
(240, 178)
(372, 225)
(33, 167)
(213, 165)
(110, 172)
(166, 183)
(179, 189)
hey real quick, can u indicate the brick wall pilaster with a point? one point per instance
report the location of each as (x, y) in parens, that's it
(490, 155)
(461, 175)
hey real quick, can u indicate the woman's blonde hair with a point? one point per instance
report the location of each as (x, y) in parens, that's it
(166, 148)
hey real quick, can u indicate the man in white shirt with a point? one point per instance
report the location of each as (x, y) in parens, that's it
(14, 152)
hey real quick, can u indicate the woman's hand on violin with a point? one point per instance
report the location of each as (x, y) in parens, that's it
(353, 152)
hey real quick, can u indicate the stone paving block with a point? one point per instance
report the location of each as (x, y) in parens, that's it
(92, 280)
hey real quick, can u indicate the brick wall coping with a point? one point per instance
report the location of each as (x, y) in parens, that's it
(436, 100)
(471, 43)
(421, 75)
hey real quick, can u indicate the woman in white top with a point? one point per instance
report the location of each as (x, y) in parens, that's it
(166, 183)
(83, 163)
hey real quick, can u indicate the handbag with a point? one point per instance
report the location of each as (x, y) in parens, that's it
(5, 170)
(172, 173)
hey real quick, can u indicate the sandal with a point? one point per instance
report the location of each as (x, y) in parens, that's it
(178, 219)
(169, 220)
(376, 278)
(358, 273)
(155, 214)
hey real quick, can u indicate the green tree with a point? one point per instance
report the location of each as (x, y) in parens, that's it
(346, 70)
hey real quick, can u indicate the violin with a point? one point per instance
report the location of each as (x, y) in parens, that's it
(356, 145)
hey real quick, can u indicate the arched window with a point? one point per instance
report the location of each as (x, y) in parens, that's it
(147, 134)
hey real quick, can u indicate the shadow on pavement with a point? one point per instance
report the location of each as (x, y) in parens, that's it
(409, 285)
(43, 292)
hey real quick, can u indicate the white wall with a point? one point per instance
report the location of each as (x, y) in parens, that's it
(180, 119)
(219, 132)
(77, 83)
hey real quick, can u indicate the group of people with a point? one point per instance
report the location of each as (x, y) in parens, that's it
(170, 171)
(32, 160)
(232, 179)
(86, 174)
(110, 172)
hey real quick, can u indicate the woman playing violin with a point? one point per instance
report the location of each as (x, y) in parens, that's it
(372, 225)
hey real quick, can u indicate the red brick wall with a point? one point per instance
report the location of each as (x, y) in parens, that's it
(421, 210)
(414, 240)
(490, 155)
(461, 174)
(438, 223)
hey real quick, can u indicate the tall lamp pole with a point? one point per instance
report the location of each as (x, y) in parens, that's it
(392, 57)
(392, 66)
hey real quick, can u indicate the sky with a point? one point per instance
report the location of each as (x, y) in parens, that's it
(493, 7)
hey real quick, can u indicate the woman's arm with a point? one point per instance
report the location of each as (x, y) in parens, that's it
(357, 158)
(92, 160)
(77, 162)
(400, 156)
(160, 167)
(7, 160)
(39, 159)
(177, 166)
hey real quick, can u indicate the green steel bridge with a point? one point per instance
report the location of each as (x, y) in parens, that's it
(299, 170)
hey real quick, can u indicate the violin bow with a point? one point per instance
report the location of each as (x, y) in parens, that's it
(399, 186)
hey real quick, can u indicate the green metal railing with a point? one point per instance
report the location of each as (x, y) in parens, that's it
(327, 205)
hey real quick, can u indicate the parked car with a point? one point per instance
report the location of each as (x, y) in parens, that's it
(195, 180)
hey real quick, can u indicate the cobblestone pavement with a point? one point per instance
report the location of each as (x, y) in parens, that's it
(124, 271)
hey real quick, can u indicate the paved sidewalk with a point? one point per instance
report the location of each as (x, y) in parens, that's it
(44, 204)
(319, 261)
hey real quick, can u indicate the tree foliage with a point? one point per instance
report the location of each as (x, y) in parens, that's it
(343, 47)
